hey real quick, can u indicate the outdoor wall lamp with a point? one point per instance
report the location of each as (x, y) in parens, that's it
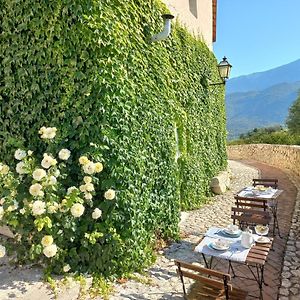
(166, 31)
(224, 68)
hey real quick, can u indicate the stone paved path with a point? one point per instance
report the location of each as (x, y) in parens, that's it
(289, 219)
(160, 281)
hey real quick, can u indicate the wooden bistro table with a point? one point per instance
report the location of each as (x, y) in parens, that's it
(254, 258)
(269, 194)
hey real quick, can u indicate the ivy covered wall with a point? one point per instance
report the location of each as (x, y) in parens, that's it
(88, 68)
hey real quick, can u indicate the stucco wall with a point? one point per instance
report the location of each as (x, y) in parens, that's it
(281, 156)
(197, 15)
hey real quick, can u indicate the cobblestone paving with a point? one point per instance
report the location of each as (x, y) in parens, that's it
(290, 285)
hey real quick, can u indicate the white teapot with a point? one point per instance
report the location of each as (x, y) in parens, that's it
(247, 239)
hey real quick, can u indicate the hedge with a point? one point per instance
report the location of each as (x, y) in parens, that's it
(89, 69)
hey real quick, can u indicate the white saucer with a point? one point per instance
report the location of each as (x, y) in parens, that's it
(217, 247)
(263, 240)
(233, 233)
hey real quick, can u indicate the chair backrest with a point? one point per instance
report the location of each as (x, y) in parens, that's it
(251, 202)
(215, 279)
(250, 212)
(268, 182)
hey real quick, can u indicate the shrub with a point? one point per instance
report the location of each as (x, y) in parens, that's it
(55, 217)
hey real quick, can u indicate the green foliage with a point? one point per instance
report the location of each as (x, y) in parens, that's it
(293, 120)
(88, 68)
(268, 135)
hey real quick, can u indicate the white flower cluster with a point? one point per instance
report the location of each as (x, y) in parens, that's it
(46, 197)
(90, 167)
(50, 249)
(47, 132)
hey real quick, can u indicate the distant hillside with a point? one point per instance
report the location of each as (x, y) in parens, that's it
(262, 80)
(261, 99)
(255, 109)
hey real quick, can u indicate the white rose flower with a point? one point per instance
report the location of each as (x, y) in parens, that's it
(89, 187)
(89, 168)
(88, 196)
(47, 132)
(87, 179)
(47, 240)
(98, 167)
(20, 168)
(20, 154)
(83, 160)
(29, 152)
(71, 189)
(22, 211)
(66, 268)
(110, 194)
(77, 210)
(64, 154)
(2, 251)
(2, 200)
(82, 188)
(96, 214)
(38, 174)
(36, 190)
(50, 251)
(52, 180)
(1, 212)
(38, 207)
(48, 161)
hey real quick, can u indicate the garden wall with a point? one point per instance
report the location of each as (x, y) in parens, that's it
(280, 156)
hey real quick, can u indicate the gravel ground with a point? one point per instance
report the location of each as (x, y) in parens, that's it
(160, 281)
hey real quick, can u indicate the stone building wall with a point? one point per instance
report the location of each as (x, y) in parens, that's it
(197, 15)
(281, 156)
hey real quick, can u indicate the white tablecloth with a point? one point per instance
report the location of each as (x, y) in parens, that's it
(236, 251)
(267, 194)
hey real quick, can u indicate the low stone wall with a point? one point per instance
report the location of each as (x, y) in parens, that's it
(281, 156)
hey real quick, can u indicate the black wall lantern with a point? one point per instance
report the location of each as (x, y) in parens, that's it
(224, 68)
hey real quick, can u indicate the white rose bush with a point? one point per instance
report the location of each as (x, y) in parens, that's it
(56, 214)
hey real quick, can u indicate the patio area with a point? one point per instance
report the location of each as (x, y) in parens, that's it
(161, 282)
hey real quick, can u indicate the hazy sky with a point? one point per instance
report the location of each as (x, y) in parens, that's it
(257, 35)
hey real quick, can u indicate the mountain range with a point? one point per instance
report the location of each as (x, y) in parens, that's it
(261, 99)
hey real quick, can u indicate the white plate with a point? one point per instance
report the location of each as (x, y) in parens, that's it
(263, 240)
(232, 233)
(217, 247)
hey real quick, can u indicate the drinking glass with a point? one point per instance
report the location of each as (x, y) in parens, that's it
(261, 230)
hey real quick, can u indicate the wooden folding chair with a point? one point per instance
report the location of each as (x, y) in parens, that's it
(209, 284)
(267, 182)
(250, 212)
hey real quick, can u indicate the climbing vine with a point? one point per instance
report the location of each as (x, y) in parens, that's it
(88, 68)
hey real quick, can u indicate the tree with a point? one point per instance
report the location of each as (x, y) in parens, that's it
(293, 120)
